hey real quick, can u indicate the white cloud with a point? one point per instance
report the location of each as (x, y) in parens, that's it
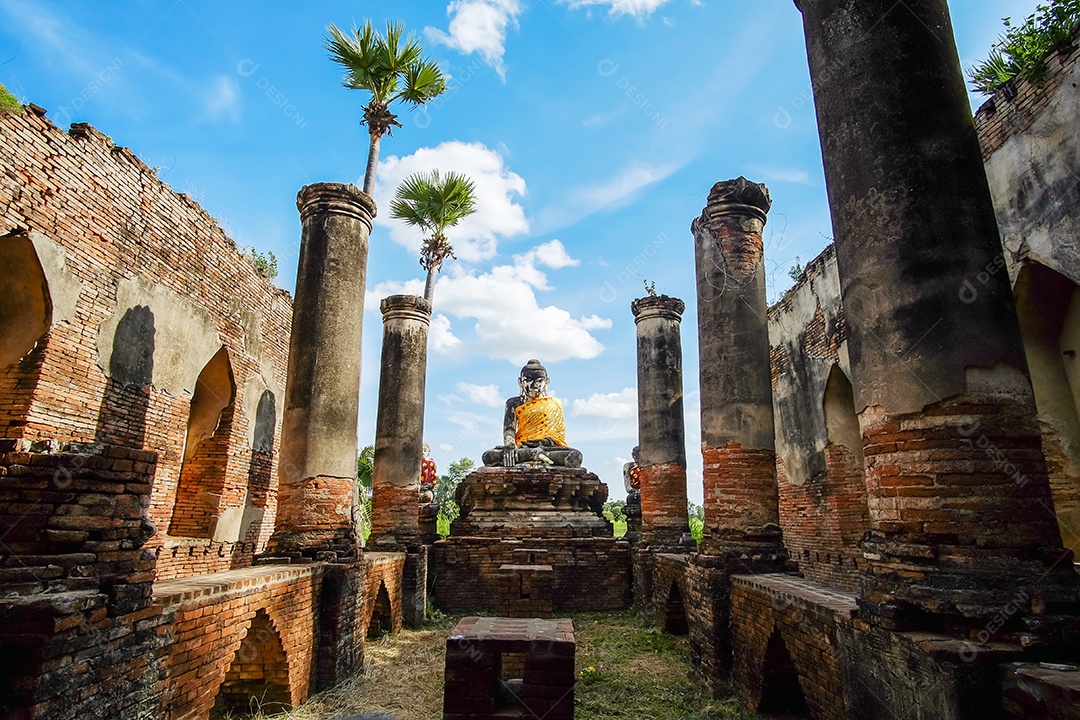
(482, 394)
(222, 100)
(497, 213)
(441, 337)
(479, 26)
(608, 406)
(508, 321)
(552, 253)
(637, 8)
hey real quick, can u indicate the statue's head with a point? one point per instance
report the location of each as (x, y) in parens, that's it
(427, 450)
(533, 380)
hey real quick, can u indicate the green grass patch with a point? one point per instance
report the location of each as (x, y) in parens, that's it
(625, 670)
(9, 104)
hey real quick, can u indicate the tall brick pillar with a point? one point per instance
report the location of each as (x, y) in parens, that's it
(661, 431)
(399, 429)
(399, 445)
(962, 521)
(737, 441)
(317, 476)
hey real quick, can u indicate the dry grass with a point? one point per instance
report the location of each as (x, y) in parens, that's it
(624, 670)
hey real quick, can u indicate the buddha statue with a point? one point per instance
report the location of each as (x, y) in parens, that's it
(534, 427)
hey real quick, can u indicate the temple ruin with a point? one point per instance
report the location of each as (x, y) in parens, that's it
(890, 451)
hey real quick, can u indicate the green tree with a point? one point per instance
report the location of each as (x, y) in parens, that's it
(1022, 49)
(445, 490)
(614, 511)
(392, 70)
(434, 203)
(696, 514)
(365, 467)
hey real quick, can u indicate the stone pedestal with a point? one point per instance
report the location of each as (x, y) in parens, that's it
(399, 430)
(531, 502)
(961, 516)
(317, 476)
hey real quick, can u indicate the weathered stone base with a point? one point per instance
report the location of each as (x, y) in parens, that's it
(963, 521)
(587, 573)
(740, 487)
(664, 522)
(394, 518)
(79, 635)
(527, 503)
(329, 545)
(316, 523)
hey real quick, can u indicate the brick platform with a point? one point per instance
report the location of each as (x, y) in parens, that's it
(475, 653)
(588, 573)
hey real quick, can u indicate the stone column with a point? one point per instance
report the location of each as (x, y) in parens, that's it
(737, 436)
(317, 475)
(962, 522)
(661, 433)
(399, 430)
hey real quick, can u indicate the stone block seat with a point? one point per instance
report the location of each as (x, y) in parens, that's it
(510, 668)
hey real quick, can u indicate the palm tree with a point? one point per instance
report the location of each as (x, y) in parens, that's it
(434, 203)
(391, 69)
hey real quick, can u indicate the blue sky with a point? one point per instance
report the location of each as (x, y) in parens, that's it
(592, 128)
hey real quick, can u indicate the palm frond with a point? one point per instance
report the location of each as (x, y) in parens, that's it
(423, 81)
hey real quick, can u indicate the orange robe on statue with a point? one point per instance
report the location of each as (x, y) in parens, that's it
(540, 419)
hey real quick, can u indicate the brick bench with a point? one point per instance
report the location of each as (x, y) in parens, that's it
(483, 657)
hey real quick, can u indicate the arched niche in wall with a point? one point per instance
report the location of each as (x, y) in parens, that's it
(844, 458)
(206, 451)
(258, 677)
(1048, 307)
(382, 614)
(25, 303)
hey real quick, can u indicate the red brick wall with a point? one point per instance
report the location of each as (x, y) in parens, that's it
(383, 570)
(213, 616)
(113, 219)
(824, 520)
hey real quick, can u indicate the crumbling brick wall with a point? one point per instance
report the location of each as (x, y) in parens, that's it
(144, 289)
(79, 636)
(823, 511)
(1027, 132)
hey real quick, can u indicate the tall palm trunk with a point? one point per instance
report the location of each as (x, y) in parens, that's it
(429, 286)
(372, 162)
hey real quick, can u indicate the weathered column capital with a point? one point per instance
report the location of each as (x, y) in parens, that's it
(335, 199)
(657, 307)
(406, 307)
(737, 197)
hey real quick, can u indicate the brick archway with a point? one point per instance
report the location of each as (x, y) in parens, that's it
(258, 677)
